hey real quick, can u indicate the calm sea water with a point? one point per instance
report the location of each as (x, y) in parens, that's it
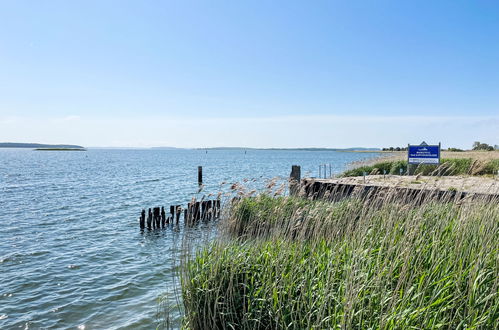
(71, 252)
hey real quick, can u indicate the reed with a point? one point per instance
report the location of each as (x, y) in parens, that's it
(448, 166)
(285, 262)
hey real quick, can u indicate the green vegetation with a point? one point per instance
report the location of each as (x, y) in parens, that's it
(394, 149)
(452, 166)
(60, 149)
(362, 264)
(483, 146)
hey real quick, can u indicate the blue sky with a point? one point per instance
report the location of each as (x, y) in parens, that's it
(249, 73)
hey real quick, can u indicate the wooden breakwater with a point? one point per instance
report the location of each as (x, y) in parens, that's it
(157, 218)
(334, 191)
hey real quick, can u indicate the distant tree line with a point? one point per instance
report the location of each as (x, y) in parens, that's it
(484, 146)
(476, 146)
(395, 149)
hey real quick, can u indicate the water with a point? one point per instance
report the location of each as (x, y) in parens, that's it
(71, 252)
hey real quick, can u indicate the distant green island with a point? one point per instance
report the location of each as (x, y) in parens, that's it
(40, 146)
(60, 149)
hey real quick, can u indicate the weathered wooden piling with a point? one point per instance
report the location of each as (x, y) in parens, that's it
(163, 217)
(200, 175)
(195, 211)
(149, 219)
(197, 215)
(157, 217)
(209, 214)
(178, 210)
(143, 219)
(203, 210)
(219, 207)
(294, 180)
(187, 214)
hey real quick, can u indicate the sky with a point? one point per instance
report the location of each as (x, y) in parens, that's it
(249, 73)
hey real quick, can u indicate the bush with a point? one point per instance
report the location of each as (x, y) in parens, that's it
(482, 146)
(397, 166)
(359, 171)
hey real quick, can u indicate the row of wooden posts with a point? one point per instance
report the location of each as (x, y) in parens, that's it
(198, 210)
(157, 218)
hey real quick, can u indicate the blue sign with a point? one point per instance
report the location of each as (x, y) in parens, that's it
(423, 154)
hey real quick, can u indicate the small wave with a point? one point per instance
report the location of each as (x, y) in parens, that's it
(148, 180)
(39, 253)
(16, 256)
(9, 257)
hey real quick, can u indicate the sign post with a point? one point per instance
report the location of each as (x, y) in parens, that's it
(422, 154)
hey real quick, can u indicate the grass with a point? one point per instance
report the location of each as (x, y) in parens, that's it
(448, 166)
(356, 264)
(390, 156)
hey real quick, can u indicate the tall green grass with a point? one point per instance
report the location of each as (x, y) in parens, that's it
(362, 264)
(452, 166)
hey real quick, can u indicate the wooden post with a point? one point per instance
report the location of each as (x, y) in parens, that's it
(172, 210)
(178, 210)
(197, 216)
(209, 204)
(217, 207)
(192, 212)
(294, 180)
(200, 175)
(204, 209)
(143, 219)
(149, 219)
(157, 217)
(187, 213)
(163, 217)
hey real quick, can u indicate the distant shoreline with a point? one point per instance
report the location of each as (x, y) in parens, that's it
(60, 149)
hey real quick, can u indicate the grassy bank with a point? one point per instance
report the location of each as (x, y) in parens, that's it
(389, 156)
(293, 263)
(448, 166)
